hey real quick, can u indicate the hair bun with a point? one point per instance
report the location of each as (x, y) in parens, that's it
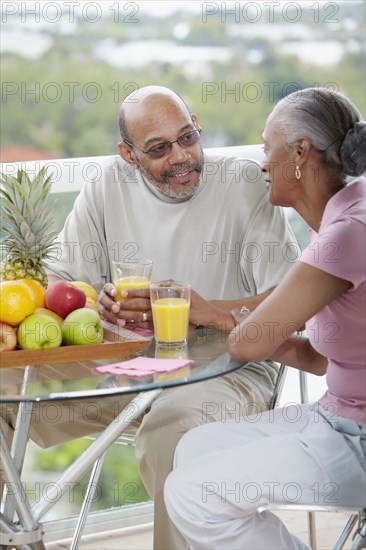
(353, 150)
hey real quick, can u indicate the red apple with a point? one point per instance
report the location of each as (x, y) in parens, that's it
(62, 297)
(8, 337)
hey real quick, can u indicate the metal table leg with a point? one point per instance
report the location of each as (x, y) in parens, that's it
(30, 530)
(28, 535)
(138, 405)
(20, 440)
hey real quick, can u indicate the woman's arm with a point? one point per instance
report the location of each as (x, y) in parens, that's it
(268, 331)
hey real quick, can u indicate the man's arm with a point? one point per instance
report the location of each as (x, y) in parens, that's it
(218, 312)
(250, 302)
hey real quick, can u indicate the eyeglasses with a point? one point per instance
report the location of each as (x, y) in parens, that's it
(162, 149)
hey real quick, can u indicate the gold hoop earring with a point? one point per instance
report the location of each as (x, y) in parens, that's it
(297, 172)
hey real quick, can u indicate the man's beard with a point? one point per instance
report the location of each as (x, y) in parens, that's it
(165, 188)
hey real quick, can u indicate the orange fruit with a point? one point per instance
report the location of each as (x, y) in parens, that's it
(17, 301)
(38, 290)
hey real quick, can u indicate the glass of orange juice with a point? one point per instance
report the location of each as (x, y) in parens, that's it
(170, 303)
(131, 274)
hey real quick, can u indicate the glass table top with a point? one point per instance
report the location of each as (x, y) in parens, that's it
(207, 349)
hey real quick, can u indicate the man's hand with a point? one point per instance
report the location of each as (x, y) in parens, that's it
(136, 309)
(206, 314)
(240, 315)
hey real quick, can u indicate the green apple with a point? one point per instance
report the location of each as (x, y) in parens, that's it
(39, 331)
(82, 326)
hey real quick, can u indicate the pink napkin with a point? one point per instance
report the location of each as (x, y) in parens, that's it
(147, 333)
(143, 366)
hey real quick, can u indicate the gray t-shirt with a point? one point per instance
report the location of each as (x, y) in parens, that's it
(227, 241)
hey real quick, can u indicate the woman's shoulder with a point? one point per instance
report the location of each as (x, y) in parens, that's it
(349, 202)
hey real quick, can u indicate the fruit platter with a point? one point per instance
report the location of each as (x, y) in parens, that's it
(58, 327)
(41, 321)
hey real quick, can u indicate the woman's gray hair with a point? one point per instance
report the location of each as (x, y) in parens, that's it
(331, 122)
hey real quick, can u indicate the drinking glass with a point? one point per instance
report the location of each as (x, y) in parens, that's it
(130, 275)
(170, 303)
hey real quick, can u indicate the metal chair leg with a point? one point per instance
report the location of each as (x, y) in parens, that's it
(88, 499)
(359, 539)
(311, 530)
(345, 533)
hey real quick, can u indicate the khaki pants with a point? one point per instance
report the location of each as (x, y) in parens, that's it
(177, 410)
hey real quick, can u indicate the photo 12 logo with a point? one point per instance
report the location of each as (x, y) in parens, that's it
(270, 12)
(252, 92)
(71, 91)
(54, 12)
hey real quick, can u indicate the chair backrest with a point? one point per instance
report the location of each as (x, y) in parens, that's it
(70, 174)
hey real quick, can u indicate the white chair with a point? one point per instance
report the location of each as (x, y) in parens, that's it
(357, 517)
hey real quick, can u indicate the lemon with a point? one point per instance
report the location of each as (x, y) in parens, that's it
(17, 301)
(91, 303)
(87, 288)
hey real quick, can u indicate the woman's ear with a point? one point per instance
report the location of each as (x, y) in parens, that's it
(302, 149)
(125, 152)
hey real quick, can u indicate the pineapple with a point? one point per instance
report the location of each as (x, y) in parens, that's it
(27, 223)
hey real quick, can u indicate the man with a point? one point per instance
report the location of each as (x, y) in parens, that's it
(201, 219)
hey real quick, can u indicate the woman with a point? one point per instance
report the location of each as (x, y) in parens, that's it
(314, 454)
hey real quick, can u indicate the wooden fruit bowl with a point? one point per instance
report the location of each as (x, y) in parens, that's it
(118, 342)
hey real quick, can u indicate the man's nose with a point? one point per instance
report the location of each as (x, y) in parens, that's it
(178, 154)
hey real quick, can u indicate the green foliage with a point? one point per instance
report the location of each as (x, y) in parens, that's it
(119, 483)
(59, 458)
(67, 102)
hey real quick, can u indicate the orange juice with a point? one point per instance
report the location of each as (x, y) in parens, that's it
(128, 283)
(171, 317)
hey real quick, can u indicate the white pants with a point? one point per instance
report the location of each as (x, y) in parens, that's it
(177, 411)
(225, 471)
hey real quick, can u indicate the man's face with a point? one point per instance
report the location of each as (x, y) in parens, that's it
(177, 173)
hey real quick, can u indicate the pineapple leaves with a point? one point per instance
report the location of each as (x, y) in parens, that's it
(25, 217)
